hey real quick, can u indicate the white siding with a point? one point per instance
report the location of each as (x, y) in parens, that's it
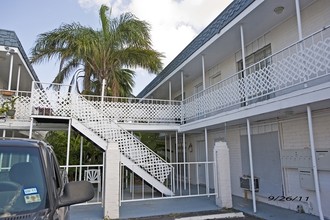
(295, 135)
(315, 17)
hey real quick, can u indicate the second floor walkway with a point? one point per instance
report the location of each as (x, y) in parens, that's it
(300, 69)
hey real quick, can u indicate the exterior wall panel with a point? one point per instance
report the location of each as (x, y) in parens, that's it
(315, 16)
(233, 141)
(295, 135)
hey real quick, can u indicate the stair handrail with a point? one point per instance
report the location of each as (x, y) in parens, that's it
(119, 130)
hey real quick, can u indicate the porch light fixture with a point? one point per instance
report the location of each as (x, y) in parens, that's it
(278, 10)
(9, 51)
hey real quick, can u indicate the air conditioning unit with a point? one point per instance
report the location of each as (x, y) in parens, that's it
(245, 183)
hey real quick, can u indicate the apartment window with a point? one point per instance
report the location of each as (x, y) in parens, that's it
(255, 58)
(198, 88)
(215, 78)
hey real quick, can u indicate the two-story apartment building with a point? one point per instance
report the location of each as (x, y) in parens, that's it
(255, 79)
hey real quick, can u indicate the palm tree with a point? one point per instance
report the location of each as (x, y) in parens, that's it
(110, 53)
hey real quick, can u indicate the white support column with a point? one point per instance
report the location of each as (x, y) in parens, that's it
(68, 148)
(81, 156)
(242, 46)
(251, 166)
(222, 181)
(10, 70)
(103, 91)
(102, 95)
(103, 179)
(314, 164)
(299, 20)
(182, 89)
(177, 158)
(165, 147)
(18, 78)
(184, 160)
(170, 140)
(31, 127)
(3, 133)
(207, 179)
(169, 90)
(203, 70)
(244, 63)
(112, 182)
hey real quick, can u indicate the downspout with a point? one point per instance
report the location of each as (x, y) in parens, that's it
(315, 174)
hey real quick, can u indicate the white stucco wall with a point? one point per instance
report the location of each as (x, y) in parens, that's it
(295, 135)
(314, 18)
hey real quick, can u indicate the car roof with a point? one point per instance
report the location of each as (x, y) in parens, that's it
(22, 142)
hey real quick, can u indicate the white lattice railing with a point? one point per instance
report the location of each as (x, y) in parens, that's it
(131, 147)
(22, 104)
(301, 65)
(50, 100)
(135, 110)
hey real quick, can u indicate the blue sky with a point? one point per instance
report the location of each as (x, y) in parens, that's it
(174, 23)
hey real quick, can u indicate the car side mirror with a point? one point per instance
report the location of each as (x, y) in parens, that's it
(76, 192)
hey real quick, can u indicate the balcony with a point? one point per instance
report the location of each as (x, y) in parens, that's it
(299, 67)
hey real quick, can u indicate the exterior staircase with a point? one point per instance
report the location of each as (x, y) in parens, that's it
(94, 124)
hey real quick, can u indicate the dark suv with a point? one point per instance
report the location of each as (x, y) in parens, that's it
(32, 186)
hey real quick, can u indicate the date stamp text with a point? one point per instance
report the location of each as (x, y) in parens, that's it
(288, 198)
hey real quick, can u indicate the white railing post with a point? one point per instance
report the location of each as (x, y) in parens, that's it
(112, 183)
(222, 175)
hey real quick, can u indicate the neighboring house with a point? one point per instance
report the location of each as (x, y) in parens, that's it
(256, 79)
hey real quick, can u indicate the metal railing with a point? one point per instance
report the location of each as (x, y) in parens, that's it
(188, 179)
(130, 146)
(303, 64)
(78, 173)
(22, 103)
(133, 110)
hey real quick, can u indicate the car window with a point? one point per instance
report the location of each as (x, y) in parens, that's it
(57, 177)
(22, 180)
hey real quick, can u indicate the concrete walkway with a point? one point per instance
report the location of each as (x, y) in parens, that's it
(269, 212)
(172, 208)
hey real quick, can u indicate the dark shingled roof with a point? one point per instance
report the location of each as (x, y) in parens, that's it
(231, 12)
(10, 39)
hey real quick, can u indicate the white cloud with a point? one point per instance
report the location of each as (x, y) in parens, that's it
(174, 23)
